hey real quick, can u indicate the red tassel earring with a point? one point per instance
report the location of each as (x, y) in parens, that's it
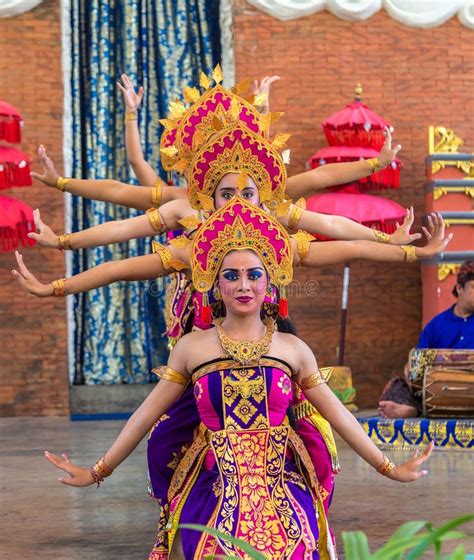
(206, 315)
(283, 304)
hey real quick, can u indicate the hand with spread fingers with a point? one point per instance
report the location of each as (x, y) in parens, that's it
(435, 234)
(50, 175)
(131, 98)
(410, 470)
(45, 235)
(28, 281)
(387, 153)
(263, 87)
(402, 235)
(78, 476)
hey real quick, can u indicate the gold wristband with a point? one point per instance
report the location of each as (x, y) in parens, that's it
(59, 288)
(64, 241)
(131, 116)
(156, 220)
(374, 164)
(303, 243)
(157, 193)
(172, 375)
(61, 183)
(387, 466)
(410, 253)
(312, 381)
(294, 215)
(381, 237)
(166, 257)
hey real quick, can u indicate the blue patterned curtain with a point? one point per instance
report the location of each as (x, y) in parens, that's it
(163, 46)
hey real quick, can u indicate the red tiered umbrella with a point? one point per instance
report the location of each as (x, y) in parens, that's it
(355, 125)
(14, 168)
(16, 220)
(388, 178)
(11, 122)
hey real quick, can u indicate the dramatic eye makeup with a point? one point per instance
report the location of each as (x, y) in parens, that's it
(232, 274)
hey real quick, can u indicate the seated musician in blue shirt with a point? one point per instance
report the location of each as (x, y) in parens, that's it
(451, 329)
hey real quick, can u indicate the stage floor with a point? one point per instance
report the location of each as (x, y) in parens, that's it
(40, 518)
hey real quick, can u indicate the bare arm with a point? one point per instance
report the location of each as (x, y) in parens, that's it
(332, 174)
(345, 424)
(146, 267)
(153, 407)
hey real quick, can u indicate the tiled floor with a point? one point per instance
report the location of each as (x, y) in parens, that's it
(41, 519)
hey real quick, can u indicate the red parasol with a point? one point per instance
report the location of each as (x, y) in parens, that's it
(388, 178)
(14, 168)
(11, 122)
(356, 125)
(16, 220)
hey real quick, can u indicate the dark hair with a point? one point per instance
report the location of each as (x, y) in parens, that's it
(465, 274)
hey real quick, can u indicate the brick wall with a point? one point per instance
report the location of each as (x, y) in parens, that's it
(414, 78)
(33, 339)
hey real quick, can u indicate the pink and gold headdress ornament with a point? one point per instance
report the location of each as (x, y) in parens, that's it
(240, 225)
(188, 127)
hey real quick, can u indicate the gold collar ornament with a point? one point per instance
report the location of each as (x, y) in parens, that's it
(246, 351)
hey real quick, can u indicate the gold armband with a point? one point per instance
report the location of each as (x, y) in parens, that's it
(64, 241)
(156, 220)
(294, 216)
(381, 237)
(387, 466)
(167, 259)
(374, 164)
(59, 288)
(172, 375)
(410, 254)
(157, 193)
(131, 116)
(61, 183)
(303, 241)
(312, 381)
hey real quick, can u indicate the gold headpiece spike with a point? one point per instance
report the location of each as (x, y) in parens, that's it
(176, 264)
(182, 241)
(217, 74)
(189, 222)
(155, 246)
(250, 99)
(301, 202)
(260, 100)
(170, 151)
(217, 123)
(199, 138)
(241, 87)
(180, 165)
(234, 108)
(280, 140)
(282, 208)
(169, 124)
(206, 202)
(242, 181)
(204, 81)
(266, 121)
(177, 109)
(358, 92)
(276, 116)
(191, 94)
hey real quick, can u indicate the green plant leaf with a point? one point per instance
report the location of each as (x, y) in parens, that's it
(254, 554)
(349, 392)
(356, 546)
(458, 554)
(436, 535)
(407, 530)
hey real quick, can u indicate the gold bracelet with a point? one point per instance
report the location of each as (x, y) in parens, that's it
(61, 183)
(312, 381)
(374, 164)
(64, 241)
(59, 288)
(166, 257)
(387, 466)
(303, 243)
(157, 193)
(381, 237)
(156, 220)
(130, 116)
(294, 215)
(172, 375)
(100, 471)
(410, 253)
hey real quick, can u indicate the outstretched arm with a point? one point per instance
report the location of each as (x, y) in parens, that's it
(320, 395)
(109, 190)
(153, 407)
(144, 172)
(332, 174)
(339, 227)
(335, 252)
(146, 267)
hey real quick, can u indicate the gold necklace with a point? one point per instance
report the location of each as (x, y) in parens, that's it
(245, 351)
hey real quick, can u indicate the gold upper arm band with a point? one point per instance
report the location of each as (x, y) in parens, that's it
(303, 241)
(167, 258)
(157, 193)
(312, 380)
(172, 375)
(156, 220)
